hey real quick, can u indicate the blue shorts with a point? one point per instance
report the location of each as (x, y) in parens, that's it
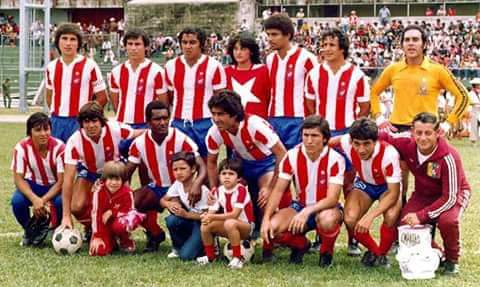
(196, 130)
(311, 222)
(83, 172)
(124, 145)
(374, 191)
(64, 127)
(254, 169)
(334, 133)
(288, 129)
(158, 190)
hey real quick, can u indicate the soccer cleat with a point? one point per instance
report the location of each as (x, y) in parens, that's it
(26, 241)
(153, 242)
(326, 260)
(37, 230)
(203, 260)
(383, 261)
(451, 268)
(87, 235)
(236, 263)
(369, 259)
(296, 256)
(316, 244)
(354, 249)
(267, 256)
(127, 245)
(173, 254)
(394, 248)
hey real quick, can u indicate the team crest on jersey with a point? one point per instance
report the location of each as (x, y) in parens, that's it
(423, 89)
(433, 170)
(76, 80)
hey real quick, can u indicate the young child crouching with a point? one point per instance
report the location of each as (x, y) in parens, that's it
(184, 221)
(113, 212)
(237, 220)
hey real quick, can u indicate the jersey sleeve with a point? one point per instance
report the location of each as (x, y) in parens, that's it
(219, 80)
(72, 154)
(60, 158)
(345, 143)
(336, 168)
(263, 132)
(379, 86)
(362, 92)
(243, 197)
(114, 83)
(285, 168)
(160, 85)
(169, 75)
(126, 131)
(391, 166)
(190, 145)
(309, 90)
(48, 78)
(19, 161)
(134, 155)
(456, 88)
(214, 140)
(310, 62)
(96, 80)
(173, 190)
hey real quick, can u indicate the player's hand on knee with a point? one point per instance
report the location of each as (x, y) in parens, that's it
(39, 209)
(363, 225)
(298, 222)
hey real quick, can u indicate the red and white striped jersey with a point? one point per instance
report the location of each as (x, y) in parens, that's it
(253, 141)
(287, 77)
(193, 86)
(253, 86)
(93, 155)
(158, 158)
(136, 89)
(312, 177)
(238, 197)
(383, 167)
(30, 163)
(72, 85)
(337, 95)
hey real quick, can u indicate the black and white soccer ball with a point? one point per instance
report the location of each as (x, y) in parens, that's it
(247, 248)
(66, 240)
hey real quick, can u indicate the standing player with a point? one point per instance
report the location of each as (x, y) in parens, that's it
(135, 83)
(71, 81)
(441, 191)
(378, 178)
(288, 66)
(251, 138)
(86, 152)
(318, 173)
(37, 166)
(248, 77)
(155, 149)
(193, 78)
(335, 90)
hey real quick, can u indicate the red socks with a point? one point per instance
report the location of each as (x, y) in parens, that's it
(237, 252)
(295, 241)
(210, 252)
(366, 240)
(387, 236)
(328, 239)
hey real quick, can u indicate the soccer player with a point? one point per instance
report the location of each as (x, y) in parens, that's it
(155, 148)
(86, 152)
(318, 173)
(251, 138)
(248, 77)
(37, 166)
(416, 81)
(442, 191)
(71, 81)
(378, 178)
(193, 78)
(335, 90)
(135, 83)
(288, 66)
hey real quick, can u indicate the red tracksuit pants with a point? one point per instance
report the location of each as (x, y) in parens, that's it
(113, 231)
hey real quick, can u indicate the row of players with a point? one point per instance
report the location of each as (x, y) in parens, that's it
(441, 190)
(288, 88)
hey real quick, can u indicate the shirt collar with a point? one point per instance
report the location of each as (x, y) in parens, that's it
(200, 60)
(344, 67)
(424, 65)
(322, 154)
(290, 52)
(77, 59)
(140, 66)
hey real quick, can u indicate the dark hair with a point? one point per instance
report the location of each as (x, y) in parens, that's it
(364, 129)
(91, 111)
(245, 40)
(201, 36)
(317, 122)
(155, 105)
(68, 28)
(114, 169)
(422, 32)
(187, 156)
(280, 22)
(229, 102)
(136, 33)
(343, 41)
(38, 119)
(427, 118)
(234, 164)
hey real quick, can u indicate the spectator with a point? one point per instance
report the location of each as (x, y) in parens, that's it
(300, 15)
(384, 14)
(7, 100)
(429, 12)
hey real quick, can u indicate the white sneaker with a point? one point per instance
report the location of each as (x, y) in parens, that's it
(203, 260)
(236, 263)
(173, 254)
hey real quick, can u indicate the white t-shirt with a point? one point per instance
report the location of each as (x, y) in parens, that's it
(177, 190)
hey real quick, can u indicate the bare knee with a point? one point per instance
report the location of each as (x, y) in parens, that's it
(230, 224)
(327, 219)
(350, 218)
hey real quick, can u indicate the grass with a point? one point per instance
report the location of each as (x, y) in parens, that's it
(42, 267)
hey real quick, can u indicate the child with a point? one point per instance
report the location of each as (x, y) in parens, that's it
(184, 221)
(113, 212)
(237, 221)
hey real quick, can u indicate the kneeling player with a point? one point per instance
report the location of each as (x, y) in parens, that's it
(113, 214)
(237, 220)
(378, 178)
(318, 172)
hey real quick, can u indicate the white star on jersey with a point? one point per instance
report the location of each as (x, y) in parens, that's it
(245, 91)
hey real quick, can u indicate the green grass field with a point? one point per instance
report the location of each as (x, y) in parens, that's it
(21, 266)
